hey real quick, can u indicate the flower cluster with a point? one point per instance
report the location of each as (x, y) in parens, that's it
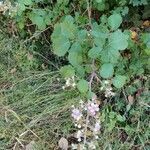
(70, 82)
(106, 87)
(76, 114)
(86, 119)
(92, 108)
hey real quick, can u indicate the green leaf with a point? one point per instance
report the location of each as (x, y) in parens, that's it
(76, 47)
(94, 52)
(99, 31)
(38, 20)
(109, 55)
(99, 42)
(75, 54)
(115, 21)
(80, 71)
(68, 28)
(57, 31)
(118, 40)
(21, 8)
(48, 19)
(99, 1)
(100, 34)
(82, 35)
(75, 58)
(107, 70)
(119, 81)
(146, 39)
(61, 45)
(67, 71)
(82, 86)
(27, 2)
(111, 125)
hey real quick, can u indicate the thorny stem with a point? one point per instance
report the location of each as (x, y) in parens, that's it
(93, 72)
(90, 89)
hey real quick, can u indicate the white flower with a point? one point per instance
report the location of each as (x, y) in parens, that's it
(106, 82)
(79, 126)
(68, 82)
(96, 137)
(79, 135)
(97, 127)
(74, 146)
(73, 84)
(92, 146)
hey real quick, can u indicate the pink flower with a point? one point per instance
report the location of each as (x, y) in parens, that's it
(97, 127)
(93, 108)
(76, 114)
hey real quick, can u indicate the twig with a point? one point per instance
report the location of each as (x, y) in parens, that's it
(36, 34)
(90, 89)
(86, 125)
(123, 91)
(89, 11)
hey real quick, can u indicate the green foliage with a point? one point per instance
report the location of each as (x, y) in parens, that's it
(67, 71)
(114, 21)
(100, 44)
(82, 86)
(106, 70)
(103, 43)
(119, 81)
(139, 2)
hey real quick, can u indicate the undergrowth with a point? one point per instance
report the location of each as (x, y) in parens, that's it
(88, 58)
(33, 105)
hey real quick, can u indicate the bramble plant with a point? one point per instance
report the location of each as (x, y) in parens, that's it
(94, 50)
(103, 47)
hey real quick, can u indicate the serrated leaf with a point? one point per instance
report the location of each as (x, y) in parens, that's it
(75, 54)
(118, 40)
(119, 81)
(80, 71)
(94, 52)
(107, 70)
(82, 35)
(109, 55)
(99, 42)
(76, 47)
(56, 32)
(61, 45)
(99, 31)
(67, 71)
(68, 27)
(115, 21)
(82, 86)
(27, 2)
(75, 58)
